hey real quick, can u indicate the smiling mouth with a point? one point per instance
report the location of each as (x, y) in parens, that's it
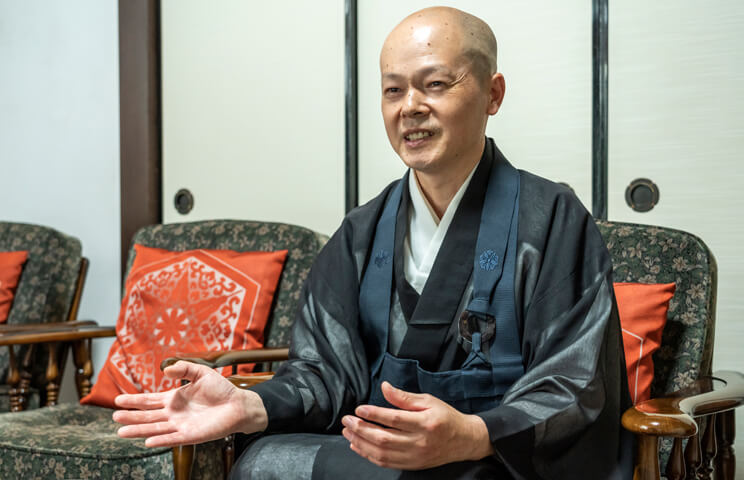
(412, 137)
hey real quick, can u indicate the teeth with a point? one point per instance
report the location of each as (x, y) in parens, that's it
(417, 135)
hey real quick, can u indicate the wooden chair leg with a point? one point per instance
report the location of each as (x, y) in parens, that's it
(24, 389)
(14, 380)
(228, 454)
(693, 455)
(676, 465)
(183, 461)
(726, 434)
(81, 357)
(647, 467)
(52, 375)
(709, 449)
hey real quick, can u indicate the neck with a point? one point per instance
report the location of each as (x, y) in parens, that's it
(440, 187)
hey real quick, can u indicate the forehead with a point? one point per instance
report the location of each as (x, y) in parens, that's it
(412, 47)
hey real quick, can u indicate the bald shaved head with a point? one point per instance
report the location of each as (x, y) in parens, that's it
(439, 87)
(473, 37)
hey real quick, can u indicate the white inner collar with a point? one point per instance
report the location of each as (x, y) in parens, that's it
(426, 232)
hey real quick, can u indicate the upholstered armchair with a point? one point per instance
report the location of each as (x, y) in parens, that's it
(80, 441)
(686, 400)
(47, 297)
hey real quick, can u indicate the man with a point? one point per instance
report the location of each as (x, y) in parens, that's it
(486, 288)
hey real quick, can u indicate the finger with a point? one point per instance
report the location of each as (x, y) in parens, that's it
(168, 440)
(132, 417)
(380, 456)
(405, 400)
(146, 430)
(186, 371)
(382, 437)
(391, 417)
(142, 401)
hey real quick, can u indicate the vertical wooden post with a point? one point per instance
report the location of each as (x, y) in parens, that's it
(726, 433)
(709, 449)
(676, 465)
(228, 454)
(647, 467)
(183, 461)
(140, 117)
(14, 380)
(52, 375)
(693, 455)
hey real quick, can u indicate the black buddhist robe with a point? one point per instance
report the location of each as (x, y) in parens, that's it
(560, 420)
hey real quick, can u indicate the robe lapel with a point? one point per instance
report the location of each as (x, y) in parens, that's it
(407, 295)
(437, 306)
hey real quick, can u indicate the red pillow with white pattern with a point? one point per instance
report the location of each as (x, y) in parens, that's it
(182, 302)
(643, 314)
(11, 267)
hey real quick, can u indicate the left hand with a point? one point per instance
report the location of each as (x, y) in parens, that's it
(424, 433)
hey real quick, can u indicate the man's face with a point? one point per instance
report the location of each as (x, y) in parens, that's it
(435, 109)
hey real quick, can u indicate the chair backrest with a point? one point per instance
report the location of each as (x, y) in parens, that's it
(47, 285)
(244, 236)
(650, 254)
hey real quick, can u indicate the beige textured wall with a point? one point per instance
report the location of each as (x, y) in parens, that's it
(59, 135)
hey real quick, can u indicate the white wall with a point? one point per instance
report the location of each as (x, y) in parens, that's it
(59, 134)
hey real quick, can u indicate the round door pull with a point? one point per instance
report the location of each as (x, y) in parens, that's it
(183, 201)
(642, 195)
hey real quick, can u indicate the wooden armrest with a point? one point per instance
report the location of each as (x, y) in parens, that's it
(56, 334)
(230, 357)
(673, 415)
(25, 327)
(245, 381)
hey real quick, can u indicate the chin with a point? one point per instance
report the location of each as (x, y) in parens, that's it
(416, 163)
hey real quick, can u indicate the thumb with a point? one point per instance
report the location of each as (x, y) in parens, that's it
(405, 400)
(182, 370)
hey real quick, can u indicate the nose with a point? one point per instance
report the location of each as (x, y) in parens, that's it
(414, 104)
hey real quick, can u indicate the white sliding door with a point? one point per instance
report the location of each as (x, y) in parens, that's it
(545, 123)
(253, 110)
(675, 117)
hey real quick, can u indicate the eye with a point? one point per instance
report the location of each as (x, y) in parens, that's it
(392, 92)
(436, 84)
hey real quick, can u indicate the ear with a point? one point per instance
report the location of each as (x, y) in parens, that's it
(497, 89)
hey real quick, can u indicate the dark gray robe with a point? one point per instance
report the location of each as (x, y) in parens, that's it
(560, 420)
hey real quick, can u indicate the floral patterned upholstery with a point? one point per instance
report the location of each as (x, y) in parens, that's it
(649, 254)
(76, 441)
(46, 287)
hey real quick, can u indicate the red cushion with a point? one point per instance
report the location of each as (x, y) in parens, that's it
(11, 266)
(643, 314)
(180, 302)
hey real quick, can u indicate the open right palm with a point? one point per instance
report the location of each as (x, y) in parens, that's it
(207, 408)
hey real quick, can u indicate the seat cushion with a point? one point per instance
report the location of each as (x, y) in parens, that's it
(77, 441)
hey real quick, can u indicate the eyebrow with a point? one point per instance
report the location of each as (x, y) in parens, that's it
(423, 72)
